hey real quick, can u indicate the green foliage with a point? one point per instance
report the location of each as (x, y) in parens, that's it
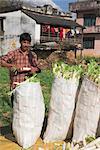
(93, 71)
(4, 78)
(66, 71)
(88, 59)
(5, 104)
(46, 78)
(33, 79)
(89, 139)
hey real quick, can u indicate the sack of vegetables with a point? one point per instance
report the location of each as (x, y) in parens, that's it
(64, 89)
(87, 114)
(28, 112)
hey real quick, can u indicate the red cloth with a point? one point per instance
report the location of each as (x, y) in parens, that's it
(53, 31)
(61, 33)
(17, 58)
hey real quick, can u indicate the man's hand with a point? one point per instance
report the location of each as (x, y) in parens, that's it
(35, 70)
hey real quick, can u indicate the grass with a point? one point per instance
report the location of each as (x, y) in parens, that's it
(89, 58)
(45, 77)
(5, 105)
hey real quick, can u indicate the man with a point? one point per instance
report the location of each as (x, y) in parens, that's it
(20, 62)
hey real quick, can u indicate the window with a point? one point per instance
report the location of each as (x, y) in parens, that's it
(1, 25)
(89, 20)
(88, 42)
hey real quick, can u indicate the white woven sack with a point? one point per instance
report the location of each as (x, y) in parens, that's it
(28, 113)
(61, 109)
(87, 111)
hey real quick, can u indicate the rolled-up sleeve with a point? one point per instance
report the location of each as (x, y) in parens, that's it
(8, 58)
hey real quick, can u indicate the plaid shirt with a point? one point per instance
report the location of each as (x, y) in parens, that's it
(15, 58)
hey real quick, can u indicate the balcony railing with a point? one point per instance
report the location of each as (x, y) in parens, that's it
(49, 39)
(86, 5)
(93, 29)
(71, 41)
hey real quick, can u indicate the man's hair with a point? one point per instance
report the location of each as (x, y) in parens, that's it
(25, 36)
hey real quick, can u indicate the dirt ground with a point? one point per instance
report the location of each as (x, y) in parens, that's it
(67, 57)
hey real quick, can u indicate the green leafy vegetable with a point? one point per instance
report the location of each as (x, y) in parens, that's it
(66, 71)
(34, 78)
(93, 71)
(89, 139)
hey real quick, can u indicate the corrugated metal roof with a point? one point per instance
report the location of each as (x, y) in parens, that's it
(42, 18)
(51, 20)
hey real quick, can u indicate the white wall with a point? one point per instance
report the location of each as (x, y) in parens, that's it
(29, 25)
(12, 23)
(12, 28)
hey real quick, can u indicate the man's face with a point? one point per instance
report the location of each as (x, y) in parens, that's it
(25, 45)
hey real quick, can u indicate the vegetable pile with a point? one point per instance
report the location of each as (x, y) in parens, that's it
(89, 143)
(34, 78)
(91, 71)
(66, 71)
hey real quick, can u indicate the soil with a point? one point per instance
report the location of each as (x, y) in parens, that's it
(67, 57)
